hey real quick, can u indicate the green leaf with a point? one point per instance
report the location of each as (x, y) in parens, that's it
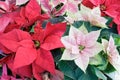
(88, 26)
(67, 67)
(67, 78)
(116, 39)
(78, 72)
(118, 48)
(57, 19)
(95, 28)
(99, 74)
(113, 29)
(109, 68)
(105, 33)
(56, 53)
(100, 61)
(109, 20)
(89, 75)
(32, 29)
(67, 30)
(77, 24)
(91, 27)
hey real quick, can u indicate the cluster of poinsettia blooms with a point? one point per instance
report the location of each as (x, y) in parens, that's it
(26, 43)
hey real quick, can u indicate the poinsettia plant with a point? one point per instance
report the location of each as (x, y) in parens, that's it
(59, 39)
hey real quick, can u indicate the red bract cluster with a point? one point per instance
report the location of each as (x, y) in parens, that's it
(42, 39)
(27, 54)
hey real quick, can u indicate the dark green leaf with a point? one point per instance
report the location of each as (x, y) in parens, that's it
(78, 72)
(67, 30)
(88, 26)
(89, 75)
(67, 78)
(67, 67)
(57, 19)
(109, 68)
(77, 24)
(109, 20)
(57, 53)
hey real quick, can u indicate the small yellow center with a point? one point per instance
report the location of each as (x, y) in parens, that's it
(37, 44)
(81, 47)
(102, 7)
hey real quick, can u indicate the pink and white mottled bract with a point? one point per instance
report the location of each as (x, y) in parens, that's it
(20, 2)
(69, 5)
(80, 47)
(114, 75)
(113, 54)
(87, 14)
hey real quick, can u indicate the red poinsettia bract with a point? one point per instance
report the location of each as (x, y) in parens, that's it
(25, 55)
(108, 7)
(30, 14)
(47, 39)
(25, 16)
(18, 45)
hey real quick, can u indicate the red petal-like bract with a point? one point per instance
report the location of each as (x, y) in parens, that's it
(36, 71)
(29, 14)
(4, 21)
(49, 37)
(44, 62)
(25, 71)
(38, 32)
(32, 10)
(21, 19)
(118, 28)
(88, 3)
(20, 45)
(52, 35)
